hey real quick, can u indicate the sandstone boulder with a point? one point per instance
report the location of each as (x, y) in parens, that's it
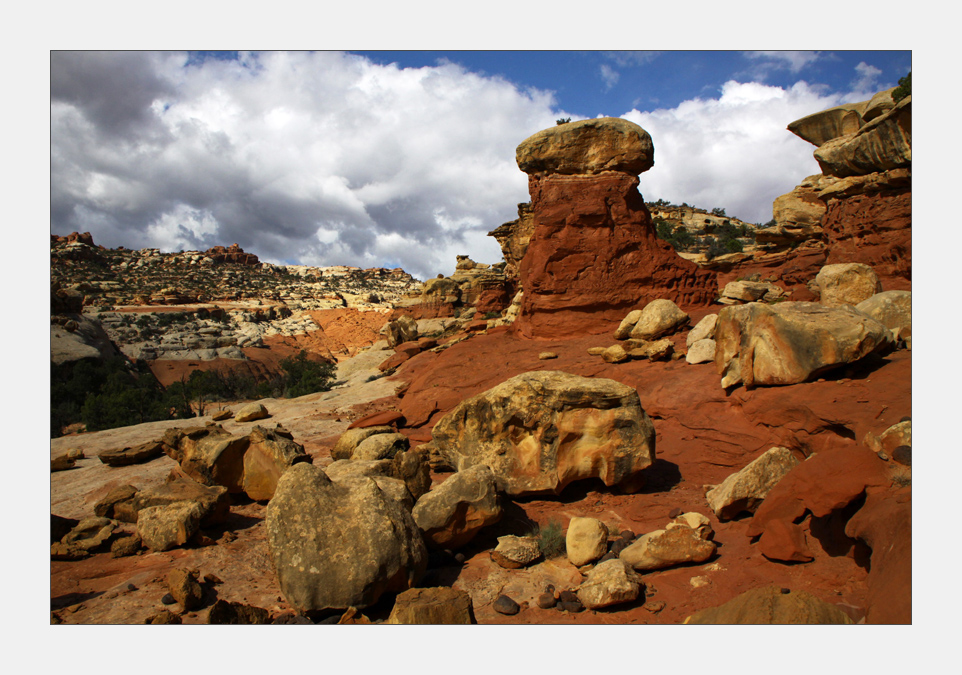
(893, 309)
(213, 502)
(658, 318)
(612, 582)
(438, 606)
(846, 284)
(703, 330)
(702, 351)
(337, 546)
(586, 147)
(791, 342)
(251, 412)
(135, 455)
(744, 490)
(381, 446)
(90, 533)
(750, 291)
(346, 445)
(105, 508)
(883, 144)
(896, 436)
(540, 431)
(771, 605)
(350, 472)
(162, 528)
(452, 514)
(185, 588)
(401, 330)
(269, 454)
(614, 354)
(821, 127)
(586, 541)
(210, 455)
(627, 324)
(514, 552)
(667, 548)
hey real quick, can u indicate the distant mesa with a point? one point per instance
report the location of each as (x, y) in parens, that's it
(231, 254)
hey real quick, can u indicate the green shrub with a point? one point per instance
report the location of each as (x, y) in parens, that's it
(904, 89)
(551, 540)
(305, 376)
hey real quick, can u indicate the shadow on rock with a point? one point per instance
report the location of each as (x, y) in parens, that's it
(69, 599)
(661, 476)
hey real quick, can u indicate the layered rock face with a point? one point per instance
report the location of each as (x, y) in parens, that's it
(865, 188)
(593, 253)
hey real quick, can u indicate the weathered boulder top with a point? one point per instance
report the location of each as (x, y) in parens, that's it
(587, 147)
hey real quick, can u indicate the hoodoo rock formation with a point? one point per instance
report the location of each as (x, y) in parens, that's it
(593, 254)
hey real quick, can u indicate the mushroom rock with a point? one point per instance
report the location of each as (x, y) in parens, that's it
(593, 254)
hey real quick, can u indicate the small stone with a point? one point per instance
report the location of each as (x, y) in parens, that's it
(505, 605)
(903, 455)
(168, 599)
(131, 587)
(881, 455)
(164, 617)
(459, 558)
(786, 591)
(546, 600)
(545, 356)
(571, 606)
(212, 579)
(674, 513)
(125, 546)
(654, 606)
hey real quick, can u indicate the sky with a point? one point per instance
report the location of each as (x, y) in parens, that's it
(407, 158)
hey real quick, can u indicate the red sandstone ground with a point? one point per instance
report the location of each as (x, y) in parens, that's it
(703, 435)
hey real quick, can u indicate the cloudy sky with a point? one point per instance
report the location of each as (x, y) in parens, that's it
(406, 159)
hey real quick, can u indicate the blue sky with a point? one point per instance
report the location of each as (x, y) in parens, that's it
(406, 159)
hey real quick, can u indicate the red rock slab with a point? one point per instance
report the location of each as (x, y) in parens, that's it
(784, 541)
(409, 348)
(821, 484)
(884, 523)
(392, 418)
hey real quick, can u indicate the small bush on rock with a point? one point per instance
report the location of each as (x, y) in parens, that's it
(552, 540)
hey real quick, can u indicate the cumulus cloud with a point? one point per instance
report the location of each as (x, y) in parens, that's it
(731, 152)
(327, 158)
(867, 81)
(322, 158)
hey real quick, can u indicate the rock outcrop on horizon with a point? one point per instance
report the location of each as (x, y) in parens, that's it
(859, 209)
(593, 253)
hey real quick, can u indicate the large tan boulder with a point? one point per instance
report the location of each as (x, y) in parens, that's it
(212, 501)
(270, 453)
(541, 431)
(791, 342)
(893, 309)
(846, 284)
(432, 606)
(702, 351)
(883, 144)
(451, 514)
(165, 527)
(346, 445)
(623, 331)
(251, 413)
(771, 605)
(336, 546)
(612, 582)
(667, 548)
(587, 147)
(381, 446)
(744, 490)
(586, 540)
(210, 455)
(349, 472)
(658, 318)
(405, 328)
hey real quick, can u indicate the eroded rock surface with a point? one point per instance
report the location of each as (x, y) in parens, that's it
(541, 431)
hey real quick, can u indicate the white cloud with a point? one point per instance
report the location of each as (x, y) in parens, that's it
(278, 147)
(732, 152)
(867, 82)
(609, 75)
(795, 62)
